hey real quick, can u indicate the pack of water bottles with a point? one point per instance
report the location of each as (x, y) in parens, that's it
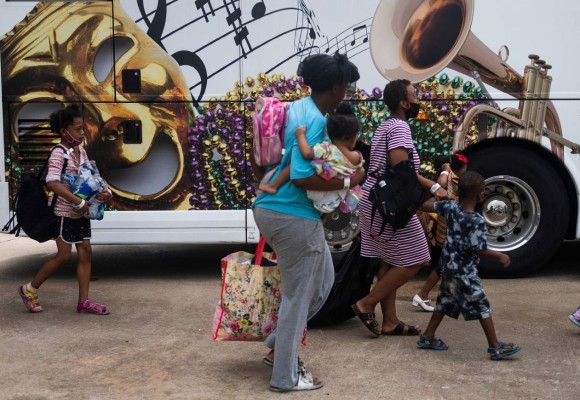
(86, 185)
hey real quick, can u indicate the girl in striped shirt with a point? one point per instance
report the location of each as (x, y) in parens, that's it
(73, 227)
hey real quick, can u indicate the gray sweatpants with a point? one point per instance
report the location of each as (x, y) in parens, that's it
(307, 275)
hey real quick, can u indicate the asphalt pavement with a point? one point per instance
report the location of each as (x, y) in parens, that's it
(156, 343)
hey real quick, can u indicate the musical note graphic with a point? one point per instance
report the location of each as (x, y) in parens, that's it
(311, 18)
(185, 57)
(331, 46)
(241, 34)
(200, 4)
(359, 29)
(356, 36)
(155, 28)
(259, 10)
(209, 62)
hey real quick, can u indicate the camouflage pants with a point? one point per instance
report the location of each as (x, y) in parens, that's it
(462, 295)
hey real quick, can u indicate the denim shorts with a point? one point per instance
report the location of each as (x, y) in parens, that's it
(462, 295)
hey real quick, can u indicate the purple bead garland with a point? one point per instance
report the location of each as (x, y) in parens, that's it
(224, 130)
(209, 193)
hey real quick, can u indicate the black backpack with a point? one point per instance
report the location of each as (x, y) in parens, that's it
(33, 214)
(397, 195)
(352, 281)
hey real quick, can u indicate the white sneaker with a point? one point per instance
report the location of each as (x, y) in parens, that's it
(425, 304)
(305, 382)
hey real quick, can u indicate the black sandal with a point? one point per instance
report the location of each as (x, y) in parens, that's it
(368, 319)
(400, 330)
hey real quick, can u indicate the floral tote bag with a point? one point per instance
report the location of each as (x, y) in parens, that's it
(250, 296)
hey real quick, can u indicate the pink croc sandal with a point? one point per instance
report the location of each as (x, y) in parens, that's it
(30, 300)
(89, 307)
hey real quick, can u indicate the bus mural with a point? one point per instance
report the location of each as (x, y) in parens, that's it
(167, 90)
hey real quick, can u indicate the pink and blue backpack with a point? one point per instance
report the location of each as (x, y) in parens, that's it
(269, 120)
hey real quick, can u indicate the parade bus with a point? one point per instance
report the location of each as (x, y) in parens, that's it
(167, 91)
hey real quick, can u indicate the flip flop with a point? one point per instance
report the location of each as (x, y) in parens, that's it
(400, 330)
(267, 362)
(368, 320)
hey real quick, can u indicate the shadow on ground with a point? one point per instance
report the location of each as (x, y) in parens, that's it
(142, 261)
(187, 261)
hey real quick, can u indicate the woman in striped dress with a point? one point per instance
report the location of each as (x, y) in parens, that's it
(401, 253)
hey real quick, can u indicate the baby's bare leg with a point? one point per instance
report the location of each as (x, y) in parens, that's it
(272, 187)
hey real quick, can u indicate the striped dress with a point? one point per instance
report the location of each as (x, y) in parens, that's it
(408, 246)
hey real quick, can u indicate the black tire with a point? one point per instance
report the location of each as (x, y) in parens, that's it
(525, 207)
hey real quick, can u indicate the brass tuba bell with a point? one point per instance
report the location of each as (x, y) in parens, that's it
(416, 39)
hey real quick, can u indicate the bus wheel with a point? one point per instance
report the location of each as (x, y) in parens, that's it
(339, 230)
(525, 209)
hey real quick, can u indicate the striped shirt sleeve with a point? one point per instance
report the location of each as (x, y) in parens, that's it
(55, 164)
(399, 135)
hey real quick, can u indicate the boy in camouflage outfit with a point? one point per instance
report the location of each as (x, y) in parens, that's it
(461, 290)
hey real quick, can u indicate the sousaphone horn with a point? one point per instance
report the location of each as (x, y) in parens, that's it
(416, 39)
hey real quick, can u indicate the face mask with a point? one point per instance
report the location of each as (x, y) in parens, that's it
(71, 139)
(412, 111)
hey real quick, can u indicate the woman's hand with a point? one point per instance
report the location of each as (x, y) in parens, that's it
(315, 182)
(104, 196)
(441, 194)
(82, 208)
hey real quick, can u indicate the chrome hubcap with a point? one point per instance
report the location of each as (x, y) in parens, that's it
(341, 228)
(512, 212)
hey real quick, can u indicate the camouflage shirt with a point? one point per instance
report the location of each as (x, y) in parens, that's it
(465, 234)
